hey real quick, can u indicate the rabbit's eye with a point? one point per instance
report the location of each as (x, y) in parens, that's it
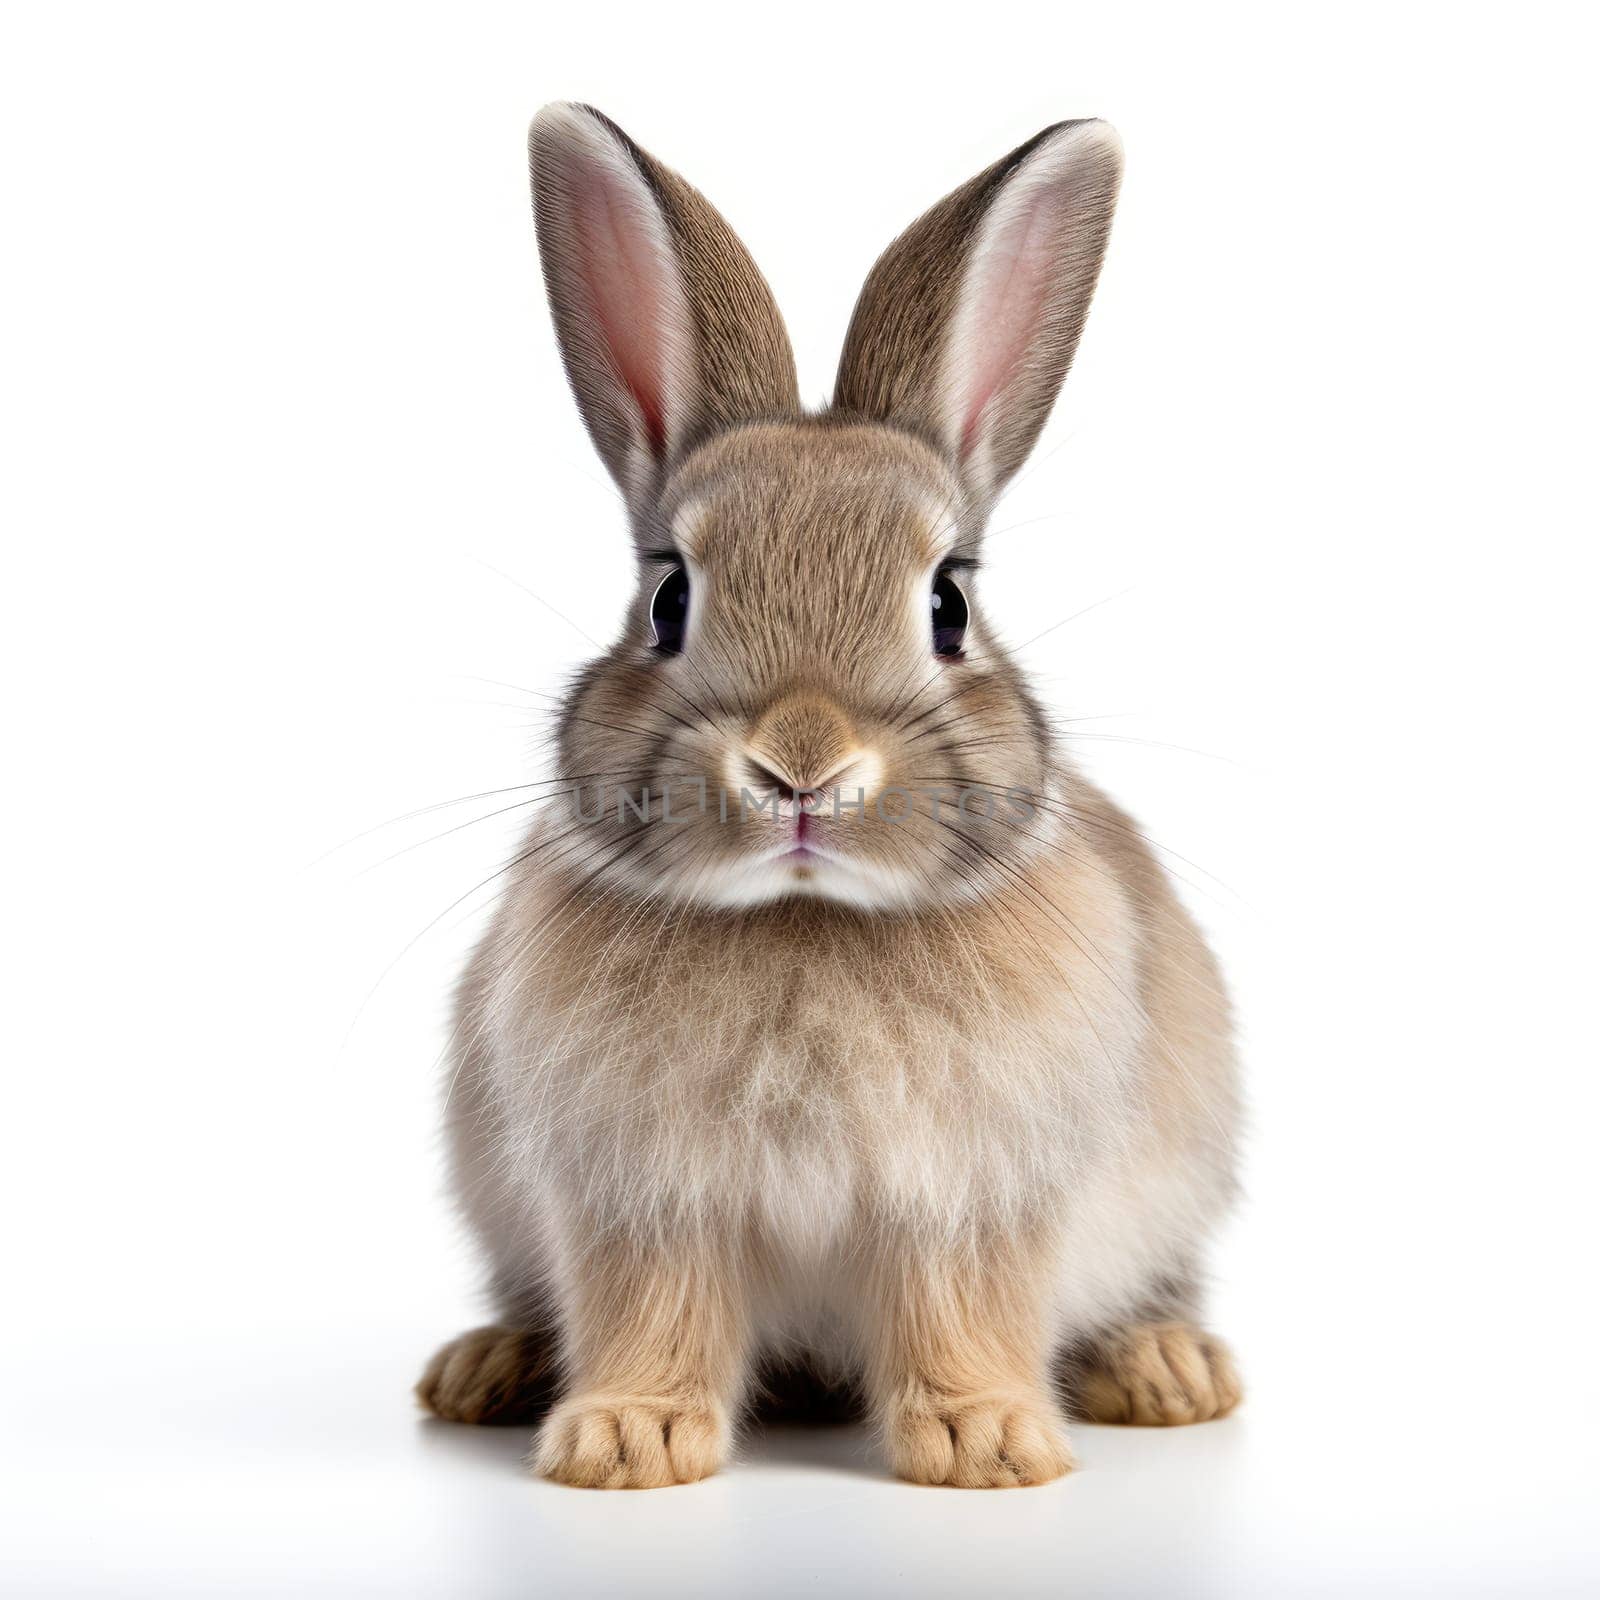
(949, 614)
(669, 611)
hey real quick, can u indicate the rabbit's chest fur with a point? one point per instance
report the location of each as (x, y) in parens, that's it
(804, 1073)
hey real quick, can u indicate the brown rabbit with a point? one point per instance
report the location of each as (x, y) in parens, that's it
(830, 1019)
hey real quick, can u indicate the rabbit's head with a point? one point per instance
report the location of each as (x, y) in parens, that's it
(805, 699)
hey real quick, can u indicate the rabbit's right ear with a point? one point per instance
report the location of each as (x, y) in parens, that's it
(967, 324)
(668, 331)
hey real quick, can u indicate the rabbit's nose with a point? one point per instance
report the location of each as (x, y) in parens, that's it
(801, 742)
(769, 777)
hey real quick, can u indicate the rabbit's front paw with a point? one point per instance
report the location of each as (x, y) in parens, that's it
(603, 1441)
(1158, 1374)
(993, 1441)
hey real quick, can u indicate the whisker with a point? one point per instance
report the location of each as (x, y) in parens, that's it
(519, 584)
(1074, 617)
(565, 785)
(1154, 744)
(460, 800)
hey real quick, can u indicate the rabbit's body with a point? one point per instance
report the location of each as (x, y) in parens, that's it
(812, 1082)
(921, 1078)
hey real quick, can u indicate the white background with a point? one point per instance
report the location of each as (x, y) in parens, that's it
(294, 490)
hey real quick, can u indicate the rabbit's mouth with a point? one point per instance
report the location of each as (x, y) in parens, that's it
(802, 848)
(805, 855)
(802, 863)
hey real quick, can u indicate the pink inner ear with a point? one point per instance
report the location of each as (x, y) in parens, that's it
(626, 280)
(1003, 304)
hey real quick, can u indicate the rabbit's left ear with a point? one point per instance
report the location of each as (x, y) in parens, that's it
(967, 324)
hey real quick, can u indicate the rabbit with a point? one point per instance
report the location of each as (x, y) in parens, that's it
(861, 1039)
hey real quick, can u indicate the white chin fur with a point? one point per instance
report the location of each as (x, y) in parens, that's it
(736, 884)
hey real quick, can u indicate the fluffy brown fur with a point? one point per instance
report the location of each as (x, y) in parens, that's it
(937, 1109)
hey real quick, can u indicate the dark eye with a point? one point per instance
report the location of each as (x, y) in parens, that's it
(949, 615)
(669, 611)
